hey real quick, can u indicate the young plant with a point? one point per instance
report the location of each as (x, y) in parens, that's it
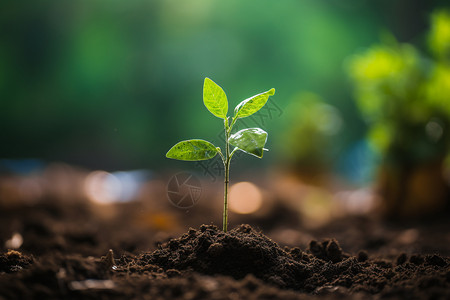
(250, 140)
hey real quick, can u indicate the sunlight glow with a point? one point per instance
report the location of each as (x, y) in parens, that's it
(245, 198)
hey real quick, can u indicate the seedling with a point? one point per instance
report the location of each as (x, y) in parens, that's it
(249, 140)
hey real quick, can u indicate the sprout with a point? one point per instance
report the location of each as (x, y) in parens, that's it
(249, 140)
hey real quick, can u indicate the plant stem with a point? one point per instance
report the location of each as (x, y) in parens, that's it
(226, 164)
(225, 202)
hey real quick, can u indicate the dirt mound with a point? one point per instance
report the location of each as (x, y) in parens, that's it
(236, 253)
(323, 268)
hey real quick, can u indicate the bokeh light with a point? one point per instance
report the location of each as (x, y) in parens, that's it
(102, 187)
(245, 198)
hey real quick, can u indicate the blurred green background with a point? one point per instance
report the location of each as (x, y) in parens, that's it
(114, 84)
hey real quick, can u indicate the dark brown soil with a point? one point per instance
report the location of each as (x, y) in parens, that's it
(65, 256)
(210, 264)
(14, 261)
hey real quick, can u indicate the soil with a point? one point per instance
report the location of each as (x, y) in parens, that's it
(66, 254)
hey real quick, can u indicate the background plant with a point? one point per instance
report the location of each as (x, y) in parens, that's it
(403, 96)
(310, 118)
(249, 140)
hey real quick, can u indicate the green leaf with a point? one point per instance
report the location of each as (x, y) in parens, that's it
(250, 140)
(215, 99)
(192, 150)
(253, 104)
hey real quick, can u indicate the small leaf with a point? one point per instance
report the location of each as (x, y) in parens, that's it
(215, 99)
(250, 140)
(253, 104)
(192, 150)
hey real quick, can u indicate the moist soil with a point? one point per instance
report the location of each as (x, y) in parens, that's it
(65, 255)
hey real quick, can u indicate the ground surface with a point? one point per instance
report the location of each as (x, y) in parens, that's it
(65, 254)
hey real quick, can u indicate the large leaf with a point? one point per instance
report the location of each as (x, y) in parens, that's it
(192, 150)
(253, 104)
(250, 140)
(215, 99)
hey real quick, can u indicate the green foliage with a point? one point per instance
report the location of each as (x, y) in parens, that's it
(215, 99)
(250, 140)
(386, 72)
(251, 105)
(437, 88)
(192, 150)
(403, 95)
(439, 37)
